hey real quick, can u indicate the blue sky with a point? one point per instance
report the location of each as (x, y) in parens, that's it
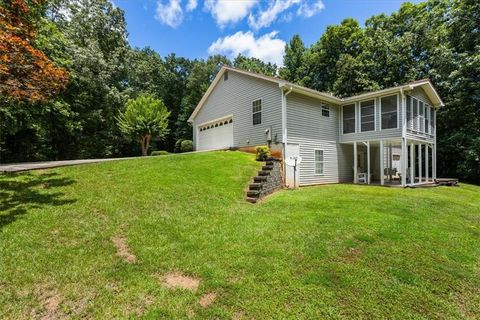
(259, 28)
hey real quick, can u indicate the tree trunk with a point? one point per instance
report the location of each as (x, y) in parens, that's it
(145, 142)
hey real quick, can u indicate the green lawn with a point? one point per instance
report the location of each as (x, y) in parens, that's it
(332, 252)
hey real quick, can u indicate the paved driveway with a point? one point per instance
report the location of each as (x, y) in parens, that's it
(16, 167)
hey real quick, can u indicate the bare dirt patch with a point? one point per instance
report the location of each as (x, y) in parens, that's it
(50, 301)
(122, 249)
(177, 280)
(207, 299)
(238, 315)
(351, 254)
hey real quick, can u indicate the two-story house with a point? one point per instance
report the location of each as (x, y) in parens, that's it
(386, 137)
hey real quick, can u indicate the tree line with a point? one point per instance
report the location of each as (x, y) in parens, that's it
(86, 42)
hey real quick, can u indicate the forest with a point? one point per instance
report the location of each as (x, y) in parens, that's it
(67, 72)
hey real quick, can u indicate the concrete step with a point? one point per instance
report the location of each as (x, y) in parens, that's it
(269, 163)
(255, 186)
(260, 179)
(263, 173)
(267, 168)
(253, 193)
(252, 200)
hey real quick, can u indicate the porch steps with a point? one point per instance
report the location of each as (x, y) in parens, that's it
(447, 182)
(266, 181)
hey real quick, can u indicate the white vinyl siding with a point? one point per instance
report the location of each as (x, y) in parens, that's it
(319, 162)
(367, 115)
(234, 97)
(389, 112)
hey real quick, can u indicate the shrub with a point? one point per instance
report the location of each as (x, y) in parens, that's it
(159, 153)
(263, 153)
(177, 148)
(186, 146)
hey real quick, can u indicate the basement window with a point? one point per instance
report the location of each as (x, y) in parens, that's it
(319, 162)
(257, 112)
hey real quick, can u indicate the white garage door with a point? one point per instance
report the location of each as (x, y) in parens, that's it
(215, 135)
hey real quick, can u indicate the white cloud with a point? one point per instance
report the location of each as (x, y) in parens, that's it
(308, 9)
(264, 18)
(191, 5)
(229, 11)
(169, 13)
(268, 47)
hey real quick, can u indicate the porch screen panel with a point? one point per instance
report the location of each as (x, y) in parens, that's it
(427, 118)
(349, 118)
(415, 114)
(367, 115)
(421, 116)
(389, 112)
(409, 112)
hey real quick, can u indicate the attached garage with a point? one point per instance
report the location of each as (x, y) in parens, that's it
(215, 135)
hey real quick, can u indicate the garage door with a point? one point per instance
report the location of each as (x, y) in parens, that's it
(216, 135)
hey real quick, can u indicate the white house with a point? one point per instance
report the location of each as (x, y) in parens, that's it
(385, 137)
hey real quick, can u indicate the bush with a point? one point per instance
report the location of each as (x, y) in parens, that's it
(177, 148)
(263, 153)
(159, 153)
(186, 146)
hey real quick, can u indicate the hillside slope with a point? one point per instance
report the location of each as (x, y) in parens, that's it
(98, 241)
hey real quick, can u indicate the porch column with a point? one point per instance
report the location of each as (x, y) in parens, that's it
(434, 161)
(355, 165)
(426, 161)
(419, 163)
(404, 161)
(412, 163)
(368, 162)
(382, 164)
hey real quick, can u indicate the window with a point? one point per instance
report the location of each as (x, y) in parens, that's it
(421, 117)
(367, 115)
(257, 111)
(389, 112)
(326, 111)
(225, 76)
(319, 162)
(349, 118)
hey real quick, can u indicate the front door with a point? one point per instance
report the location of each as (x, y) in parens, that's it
(293, 150)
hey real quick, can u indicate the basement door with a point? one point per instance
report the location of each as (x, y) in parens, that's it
(216, 135)
(292, 175)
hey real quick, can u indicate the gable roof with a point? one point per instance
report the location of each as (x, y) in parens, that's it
(425, 84)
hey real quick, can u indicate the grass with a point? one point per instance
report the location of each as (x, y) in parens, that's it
(331, 252)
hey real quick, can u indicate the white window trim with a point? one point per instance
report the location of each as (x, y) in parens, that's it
(261, 111)
(398, 110)
(355, 115)
(315, 162)
(374, 115)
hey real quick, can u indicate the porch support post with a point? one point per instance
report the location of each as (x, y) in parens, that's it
(355, 165)
(419, 163)
(382, 164)
(368, 162)
(426, 161)
(412, 164)
(404, 161)
(434, 161)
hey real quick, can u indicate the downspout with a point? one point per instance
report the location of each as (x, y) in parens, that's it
(284, 133)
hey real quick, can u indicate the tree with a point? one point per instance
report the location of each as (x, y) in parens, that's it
(144, 117)
(26, 73)
(294, 61)
(255, 65)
